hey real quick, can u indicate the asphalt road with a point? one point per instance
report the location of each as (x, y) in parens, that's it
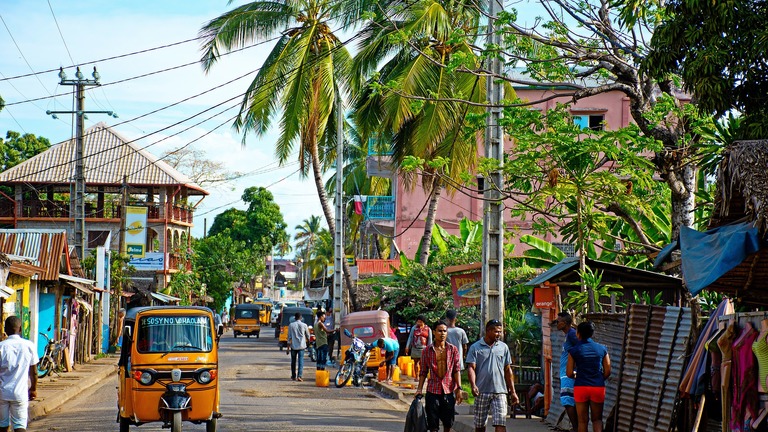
(257, 394)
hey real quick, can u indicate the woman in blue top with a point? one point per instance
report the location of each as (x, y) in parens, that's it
(590, 360)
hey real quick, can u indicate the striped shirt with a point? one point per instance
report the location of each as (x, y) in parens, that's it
(436, 385)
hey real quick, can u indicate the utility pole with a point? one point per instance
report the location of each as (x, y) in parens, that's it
(338, 238)
(77, 206)
(492, 301)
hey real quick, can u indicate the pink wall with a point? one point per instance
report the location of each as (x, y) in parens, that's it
(409, 218)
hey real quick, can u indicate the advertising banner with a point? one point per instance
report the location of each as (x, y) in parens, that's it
(135, 231)
(150, 261)
(467, 289)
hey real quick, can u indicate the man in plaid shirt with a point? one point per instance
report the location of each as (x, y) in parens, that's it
(440, 361)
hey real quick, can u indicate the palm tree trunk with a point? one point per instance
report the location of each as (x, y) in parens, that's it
(351, 289)
(429, 223)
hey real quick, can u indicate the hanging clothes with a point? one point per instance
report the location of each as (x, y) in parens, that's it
(725, 343)
(744, 374)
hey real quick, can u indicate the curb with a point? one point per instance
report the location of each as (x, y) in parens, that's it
(50, 403)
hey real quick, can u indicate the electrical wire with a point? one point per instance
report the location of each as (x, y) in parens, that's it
(60, 33)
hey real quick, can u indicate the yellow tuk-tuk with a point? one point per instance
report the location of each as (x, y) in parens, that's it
(368, 326)
(265, 313)
(247, 319)
(288, 314)
(168, 368)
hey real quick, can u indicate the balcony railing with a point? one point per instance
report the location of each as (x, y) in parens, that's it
(110, 210)
(380, 208)
(377, 148)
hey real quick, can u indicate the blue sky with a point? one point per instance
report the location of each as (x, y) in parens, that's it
(92, 30)
(43, 35)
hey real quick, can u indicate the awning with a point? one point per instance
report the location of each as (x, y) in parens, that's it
(82, 284)
(165, 298)
(6, 291)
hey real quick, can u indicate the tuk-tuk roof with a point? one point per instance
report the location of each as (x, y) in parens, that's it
(290, 311)
(249, 306)
(365, 317)
(131, 313)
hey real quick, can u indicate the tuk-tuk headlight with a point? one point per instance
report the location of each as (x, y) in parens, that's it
(144, 377)
(206, 376)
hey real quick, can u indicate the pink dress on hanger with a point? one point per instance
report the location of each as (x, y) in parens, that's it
(744, 375)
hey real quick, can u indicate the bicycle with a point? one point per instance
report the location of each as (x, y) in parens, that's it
(51, 356)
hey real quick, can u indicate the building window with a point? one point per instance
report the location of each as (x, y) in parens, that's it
(97, 238)
(567, 248)
(590, 121)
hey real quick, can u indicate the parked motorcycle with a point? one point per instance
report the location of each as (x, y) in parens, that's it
(50, 359)
(355, 362)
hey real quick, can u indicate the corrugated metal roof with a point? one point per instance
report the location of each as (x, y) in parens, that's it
(571, 263)
(651, 367)
(107, 158)
(44, 248)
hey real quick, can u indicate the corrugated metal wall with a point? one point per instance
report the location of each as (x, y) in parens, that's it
(651, 367)
(609, 331)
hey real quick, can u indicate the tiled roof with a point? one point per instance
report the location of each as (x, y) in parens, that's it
(107, 158)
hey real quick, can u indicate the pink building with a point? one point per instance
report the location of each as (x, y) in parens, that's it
(403, 215)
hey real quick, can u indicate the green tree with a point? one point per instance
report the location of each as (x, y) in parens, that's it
(261, 227)
(302, 79)
(414, 99)
(718, 49)
(221, 263)
(17, 148)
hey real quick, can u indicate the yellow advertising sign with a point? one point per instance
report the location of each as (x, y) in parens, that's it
(135, 231)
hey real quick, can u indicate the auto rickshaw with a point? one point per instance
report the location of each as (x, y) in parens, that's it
(168, 369)
(368, 326)
(288, 314)
(247, 319)
(265, 313)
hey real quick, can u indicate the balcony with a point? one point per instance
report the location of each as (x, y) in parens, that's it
(376, 148)
(380, 208)
(109, 210)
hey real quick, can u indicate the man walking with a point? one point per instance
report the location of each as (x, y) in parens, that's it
(456, 335)
(564, 323)
(440, 361)
(489, 369)
(18, 368)
(298, 335)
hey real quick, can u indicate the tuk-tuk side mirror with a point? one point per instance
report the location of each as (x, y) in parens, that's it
(127, 331)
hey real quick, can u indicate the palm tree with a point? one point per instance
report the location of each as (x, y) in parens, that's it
(302, 79)
(306, 236)
(422, 114)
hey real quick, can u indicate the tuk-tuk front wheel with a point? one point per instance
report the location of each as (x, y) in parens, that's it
(176, 422)
(124, 424)
(210, 425)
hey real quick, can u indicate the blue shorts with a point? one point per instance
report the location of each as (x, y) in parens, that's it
(566, 391)
(393, 360)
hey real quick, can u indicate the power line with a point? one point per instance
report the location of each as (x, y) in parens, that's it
(60, 33)
(104, 59)
(22, 55)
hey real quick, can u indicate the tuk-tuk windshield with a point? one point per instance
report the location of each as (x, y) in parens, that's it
(250, 313)
(174, 333)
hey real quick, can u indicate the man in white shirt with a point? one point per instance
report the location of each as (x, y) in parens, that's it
(298, 337)
(18, 368)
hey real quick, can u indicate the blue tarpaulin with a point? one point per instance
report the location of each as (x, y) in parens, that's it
(706, 256)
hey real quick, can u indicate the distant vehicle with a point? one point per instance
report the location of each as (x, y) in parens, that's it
(246, 319)
(279, 307)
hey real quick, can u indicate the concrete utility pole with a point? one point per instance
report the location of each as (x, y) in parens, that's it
(77, 206)
(492, 301)
(338, 238)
